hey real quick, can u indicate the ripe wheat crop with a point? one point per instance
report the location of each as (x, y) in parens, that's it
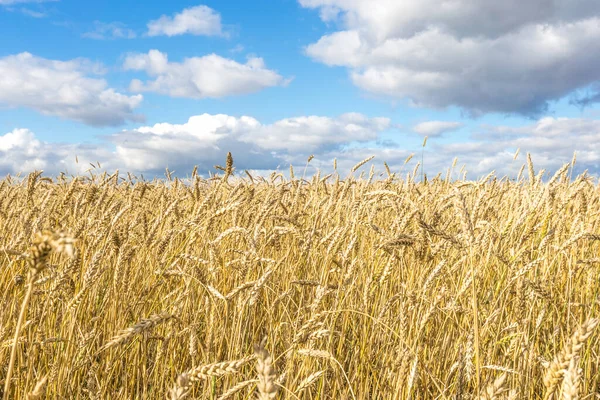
(280, 287)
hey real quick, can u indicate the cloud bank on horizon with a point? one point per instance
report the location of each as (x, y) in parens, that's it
(151, 149)
(478, 78)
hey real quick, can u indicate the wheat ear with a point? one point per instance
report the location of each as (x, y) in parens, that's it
(267, 388)
(560, 364)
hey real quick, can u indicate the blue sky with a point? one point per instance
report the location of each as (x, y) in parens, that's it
(141, 86)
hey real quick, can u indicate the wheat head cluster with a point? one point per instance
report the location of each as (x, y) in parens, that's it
(342, 286)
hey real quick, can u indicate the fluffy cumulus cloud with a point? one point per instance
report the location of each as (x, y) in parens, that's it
(65, 89)
(481, 56)
(436, 128)
(21, 151)
(201, 77)
(203, 140)
(198, 20)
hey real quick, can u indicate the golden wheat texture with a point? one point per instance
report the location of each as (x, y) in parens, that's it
(328, 287)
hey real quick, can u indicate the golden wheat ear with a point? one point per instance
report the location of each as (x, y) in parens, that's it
(266, 387)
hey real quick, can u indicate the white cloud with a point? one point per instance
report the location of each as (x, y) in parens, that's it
(32, 13)
(199, 20)
(200, 77)
(64, 89)
(21, 151)
(436, 128)
(203, 140)
(18, 139)
(314, 133)
(481, 56)
(238, 48)
(111, 30)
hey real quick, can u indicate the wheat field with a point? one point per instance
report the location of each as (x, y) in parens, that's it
(343, 286)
